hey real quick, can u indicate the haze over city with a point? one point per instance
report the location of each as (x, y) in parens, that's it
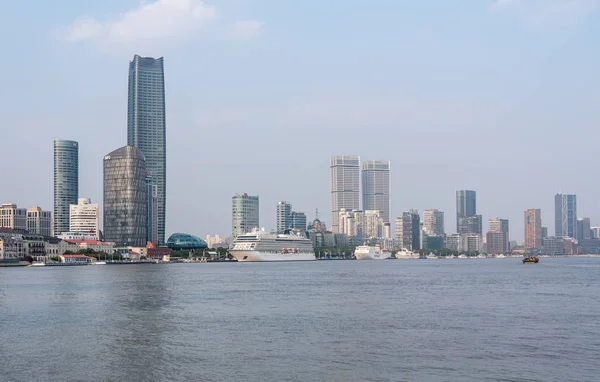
(498, 97)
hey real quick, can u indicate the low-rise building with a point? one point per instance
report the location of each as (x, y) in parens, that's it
(73, 259)
(96, 245)
(11, 247)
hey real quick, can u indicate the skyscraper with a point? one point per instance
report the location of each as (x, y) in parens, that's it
(466, 205)
(583, 229)
(284, 216)
(146, 124)
(565, 215)
(433, 222)
(298, 220)
(533, 229)
(497, 237)
(411, 231)
(376, 187)
(345, 187)
(66, 182)
(470, 225)
(125, 197)
(244, 214)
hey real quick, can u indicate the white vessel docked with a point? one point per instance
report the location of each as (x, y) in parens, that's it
(405, 254)
(367, 252)
(264, 246)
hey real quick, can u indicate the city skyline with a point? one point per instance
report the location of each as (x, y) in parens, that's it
(422, 111)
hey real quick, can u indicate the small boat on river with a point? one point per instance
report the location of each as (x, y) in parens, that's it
(531, 260)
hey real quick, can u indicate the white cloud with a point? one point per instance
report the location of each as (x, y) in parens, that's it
(150, 21)
(246, 29)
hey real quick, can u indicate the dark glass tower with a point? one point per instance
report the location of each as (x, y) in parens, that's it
(466, 205)
(66, 182)
(146, 124)
(125, 202)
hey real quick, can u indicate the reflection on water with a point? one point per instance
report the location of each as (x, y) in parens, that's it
(335, 320)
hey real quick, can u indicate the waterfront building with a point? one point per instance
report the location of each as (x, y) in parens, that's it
(125, 197)
(433, 222)
(544, 232)
(387, 231)
(433, 242)
(497, 238)
(284, 216)
(583, 229)
(351, 222)
(152, 210)
(533, 229)
(244, 214)
(399, 229)
(214, 241)
(11, 247)
(184, 241)
(497, 242)
(553, 245)
(344, 186)
(373, 224)
(565, 215)
(78, 236)
(66, 182)
(596, 232)
(13, 217)
(453, 242)
(376, 187)
(146, 124)
(468, 225)
(84, 217)
(470, 243)
(411, 230)
(466, 205)
(299, 220)
(39, 222)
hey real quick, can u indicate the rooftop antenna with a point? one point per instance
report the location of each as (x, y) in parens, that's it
(317, 214)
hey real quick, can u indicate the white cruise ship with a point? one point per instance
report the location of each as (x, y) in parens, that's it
(263, 246)
(366, 252)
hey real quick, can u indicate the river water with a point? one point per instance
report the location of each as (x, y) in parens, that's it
(395, 320)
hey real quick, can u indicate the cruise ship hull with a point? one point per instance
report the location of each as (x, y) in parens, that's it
(254, 256)
(372, 256)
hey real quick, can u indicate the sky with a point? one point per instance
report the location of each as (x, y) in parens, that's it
(501, 97)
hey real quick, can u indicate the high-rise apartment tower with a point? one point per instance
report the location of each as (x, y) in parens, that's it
(533, 229)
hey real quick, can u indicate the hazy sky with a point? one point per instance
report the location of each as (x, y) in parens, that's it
(500, 97)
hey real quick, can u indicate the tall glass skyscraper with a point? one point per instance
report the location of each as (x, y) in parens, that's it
(66, 182)
(345, 187)
(146, 124)
(565, 215)
(376, 187)
(125, 202)
(466, 205)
